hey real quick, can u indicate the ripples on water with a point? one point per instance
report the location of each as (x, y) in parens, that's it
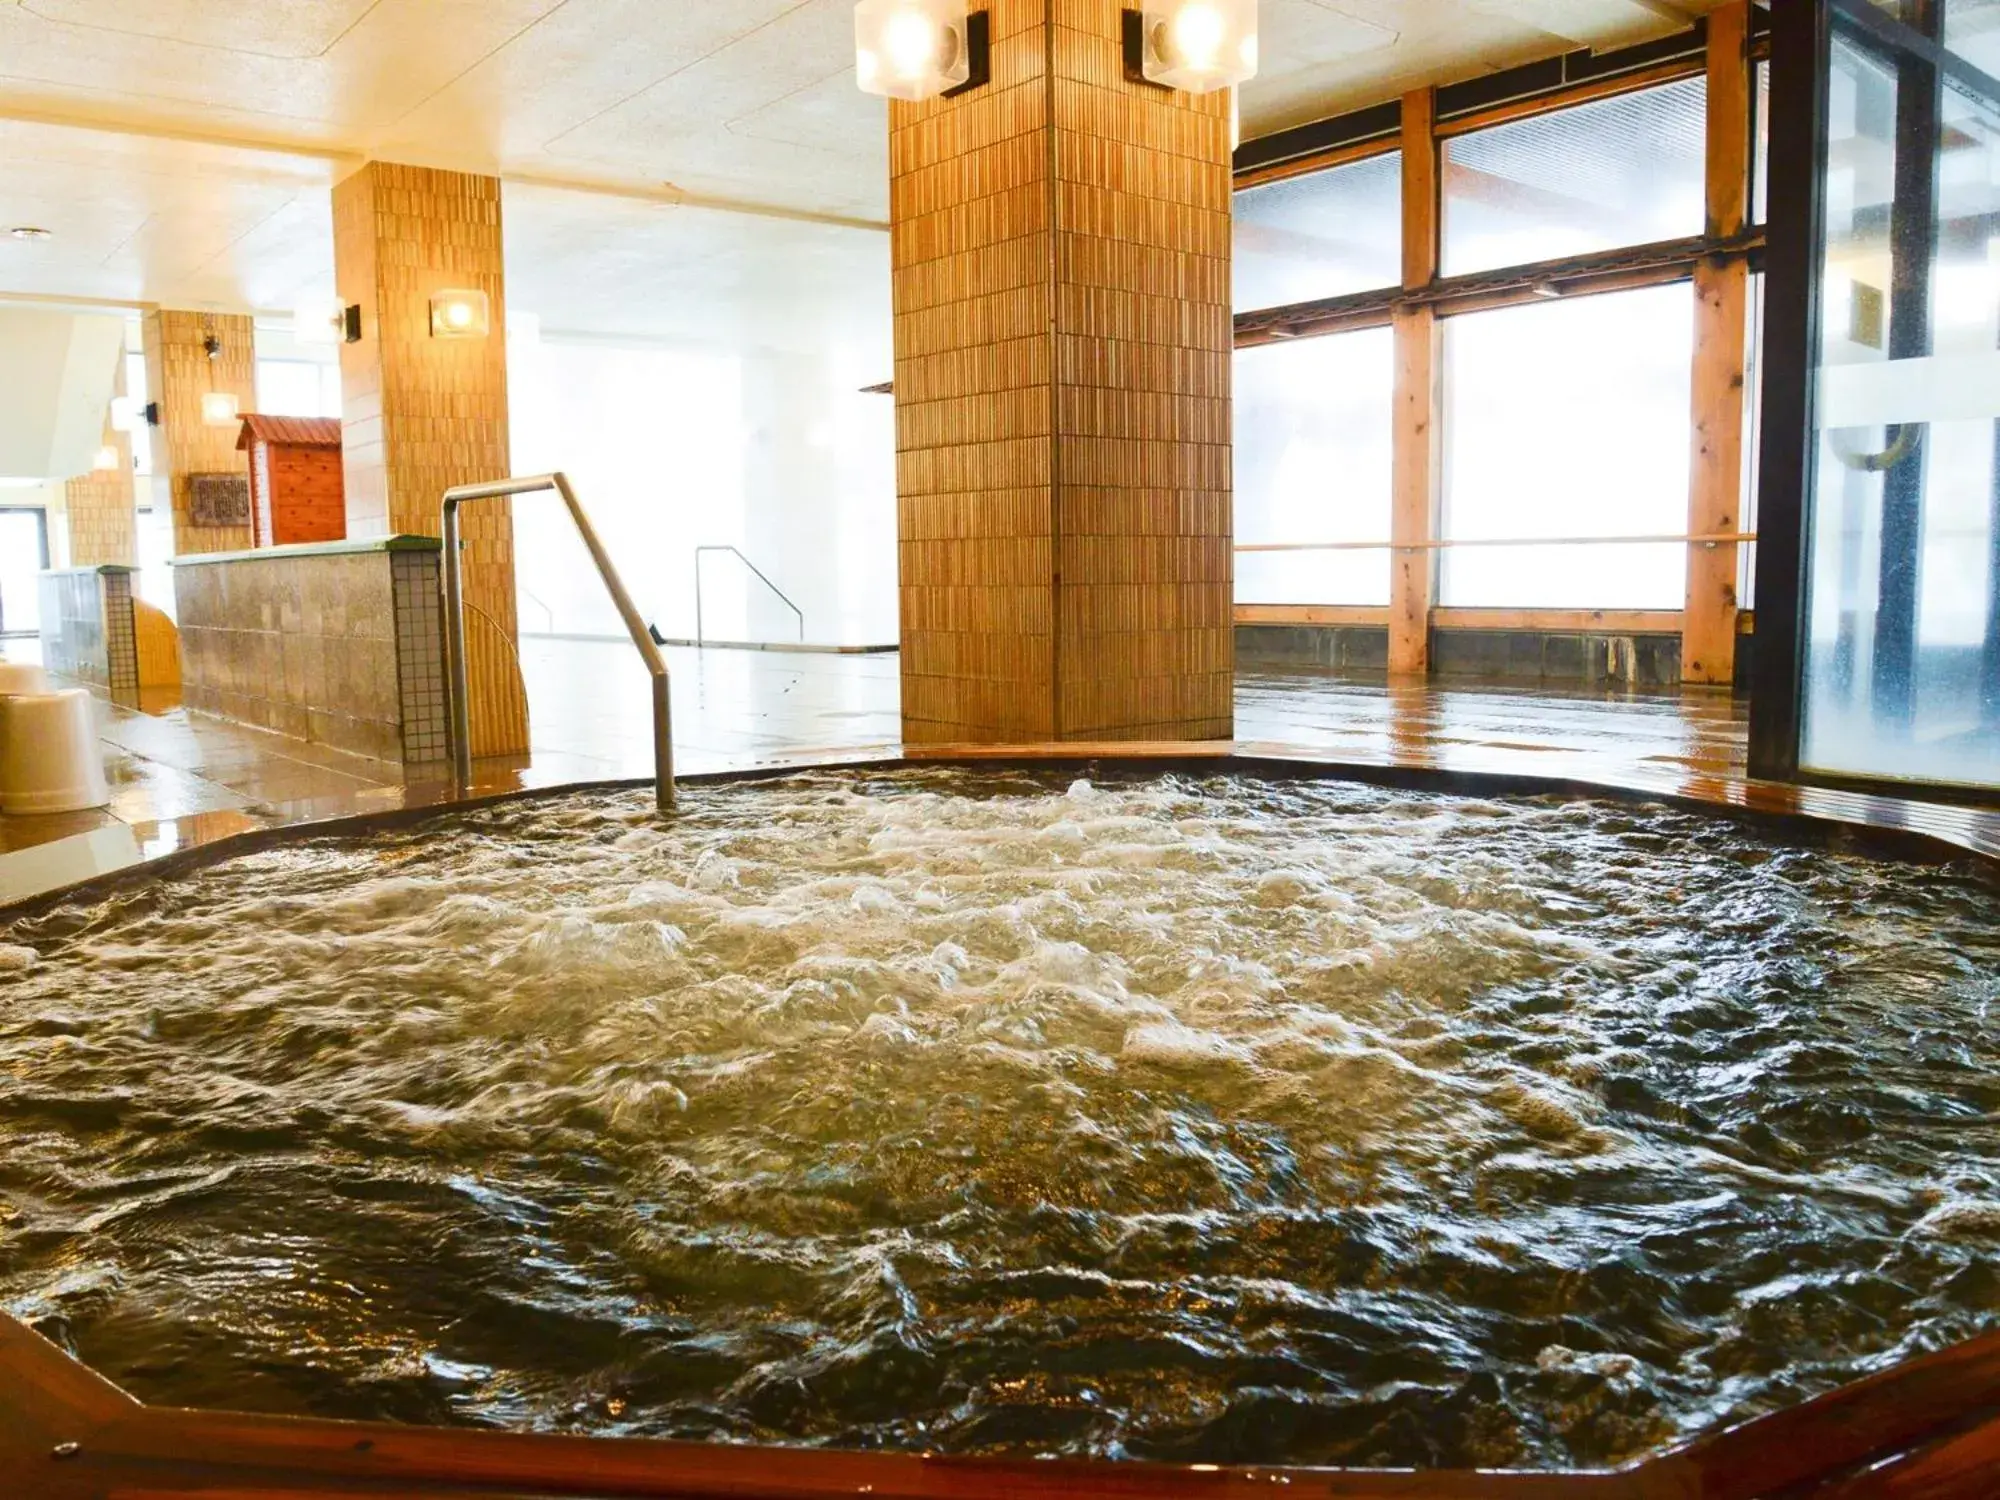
(1197, 1119)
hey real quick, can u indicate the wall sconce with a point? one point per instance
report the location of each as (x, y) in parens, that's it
(109, 460)
(921, 49)
(1197, 46)
(326, 322)
(461, 315)
(219, 408)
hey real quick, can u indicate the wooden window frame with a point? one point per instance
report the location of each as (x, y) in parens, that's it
(1725, 48)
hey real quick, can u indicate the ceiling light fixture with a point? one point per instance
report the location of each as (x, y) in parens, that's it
(921, 49)
(31, 232)
(461, 315)
(1196, 46)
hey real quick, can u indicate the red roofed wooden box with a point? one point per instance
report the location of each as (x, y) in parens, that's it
(297, 488)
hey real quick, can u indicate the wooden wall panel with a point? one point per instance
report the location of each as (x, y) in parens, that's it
(420, 415)
(178, 374)
(1060, 241)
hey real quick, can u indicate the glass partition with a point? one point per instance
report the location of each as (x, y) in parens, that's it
(1321, 235)
(1569, 419)
(1901, 669)
(1628, 170)
(1313, 465)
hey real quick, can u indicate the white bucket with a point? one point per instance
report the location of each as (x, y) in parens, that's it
(50, 758)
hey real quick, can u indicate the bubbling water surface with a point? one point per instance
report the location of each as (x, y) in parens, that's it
(1204, 1119)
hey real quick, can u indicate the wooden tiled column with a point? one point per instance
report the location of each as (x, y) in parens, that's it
(103, 511)
(179, 373)
(419, 414)
(1060, 241)
(1722, 302)
(1418, 464)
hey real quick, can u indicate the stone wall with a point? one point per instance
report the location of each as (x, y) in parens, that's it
(338, 645)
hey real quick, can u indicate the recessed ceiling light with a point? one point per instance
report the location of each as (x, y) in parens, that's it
(30, 232)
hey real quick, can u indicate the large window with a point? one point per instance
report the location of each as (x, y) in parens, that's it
(1322, 235)
(1569, 419)
(1313, 465)
(1622, 171)
(298, 388)
(1564, 422)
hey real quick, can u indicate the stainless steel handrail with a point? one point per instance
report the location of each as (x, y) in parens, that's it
(700, 635)
(454, 627)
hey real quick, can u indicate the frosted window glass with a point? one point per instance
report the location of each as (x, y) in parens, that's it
(1902, 676)
(1615, 172)
(1570, 419)
(1313, 465)
(1322, 235)
(297, 388)
(1760, 182)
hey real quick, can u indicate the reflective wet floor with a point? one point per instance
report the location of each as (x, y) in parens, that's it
(182, 779)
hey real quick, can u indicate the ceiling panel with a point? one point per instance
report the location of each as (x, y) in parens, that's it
(140, 218)
(747, 101)
(695, 275)
(294, 29)
(392, 57)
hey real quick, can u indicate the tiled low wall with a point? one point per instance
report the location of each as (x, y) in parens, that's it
(338, 643)
(88, 631)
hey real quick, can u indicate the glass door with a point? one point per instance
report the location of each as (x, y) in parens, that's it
(1899, 617)
(24, 553)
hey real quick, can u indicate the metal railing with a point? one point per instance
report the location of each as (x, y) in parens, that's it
(1452, 544)
(700, 634)
(454, 627)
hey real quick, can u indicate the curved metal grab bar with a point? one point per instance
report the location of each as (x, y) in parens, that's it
(700, 635)
(454, 627)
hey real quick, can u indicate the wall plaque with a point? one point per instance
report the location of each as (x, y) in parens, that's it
(219, 499)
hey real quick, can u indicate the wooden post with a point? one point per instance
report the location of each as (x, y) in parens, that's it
(1722, 300)
(1419, 361)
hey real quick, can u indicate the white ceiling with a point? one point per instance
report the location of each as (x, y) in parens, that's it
(183, 150)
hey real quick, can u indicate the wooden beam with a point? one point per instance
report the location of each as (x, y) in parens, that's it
(1575, 94)
(1623, 269)
(1419, 360)
(1312, 614)
(1722, 301)
(1562, 621)
(1319, 161)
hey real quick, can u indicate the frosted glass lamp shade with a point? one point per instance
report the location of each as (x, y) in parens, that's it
(1199, 46)
(461, 315)
(911, 49)
(219, 408)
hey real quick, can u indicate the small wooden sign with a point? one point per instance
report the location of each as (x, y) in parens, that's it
(219, 499)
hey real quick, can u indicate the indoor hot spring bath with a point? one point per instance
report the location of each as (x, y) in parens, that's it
(1205, 1117)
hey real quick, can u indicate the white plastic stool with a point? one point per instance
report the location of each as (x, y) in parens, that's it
(50, 759)
(18, 677)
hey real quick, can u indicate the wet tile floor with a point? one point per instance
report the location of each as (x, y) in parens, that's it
(181, 779)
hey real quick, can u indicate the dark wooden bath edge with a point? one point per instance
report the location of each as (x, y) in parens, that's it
(1928, 1428)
